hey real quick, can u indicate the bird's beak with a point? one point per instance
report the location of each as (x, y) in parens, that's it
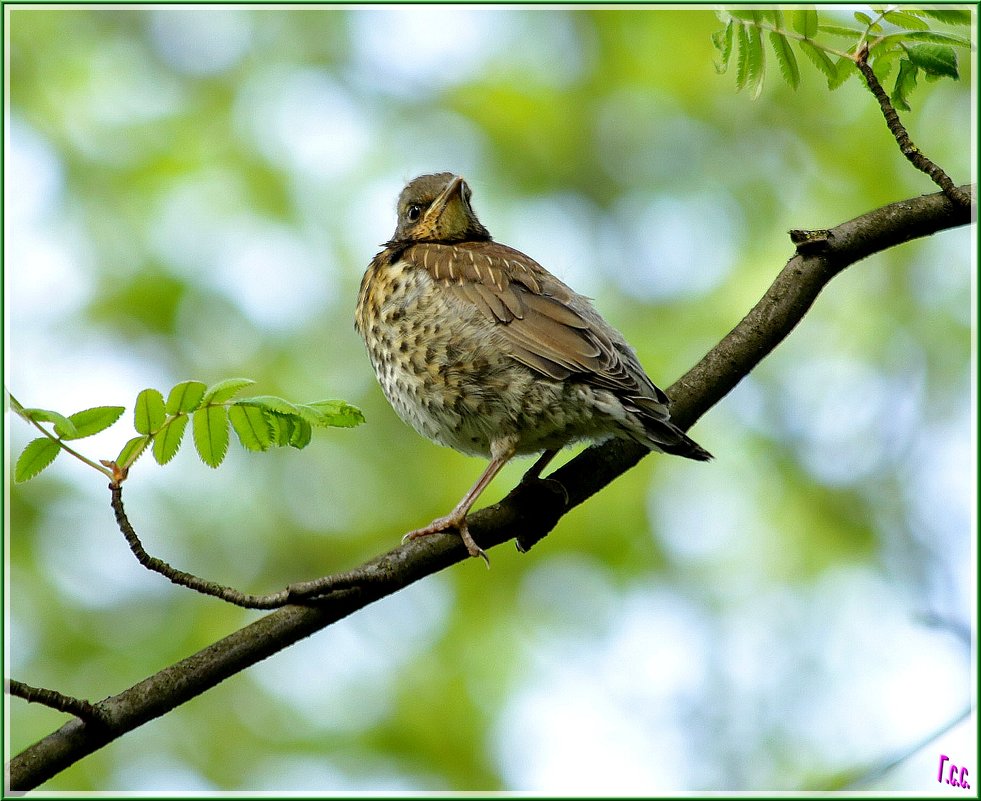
(443, 199)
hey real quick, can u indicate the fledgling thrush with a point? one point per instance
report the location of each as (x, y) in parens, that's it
(479, 347)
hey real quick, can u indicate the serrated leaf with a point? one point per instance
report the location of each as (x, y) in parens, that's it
(786, 60)
(841, 30)
(63, 427)
(844, 69)
(805, 22)
(337, 413)
(742, 61)
(185, 397)
(953, 17)
(905, 83)
(757, 61)
(934, 59)
(37, 455)
(280, 427)
(91, 421)
(226, 390)
(252, 426)
(132, 451)
(924, 36)
(149, 413)
(167, 441)
(301, 434)
(902, 19)
(820, 60)
(211, 434)
(864, 18)
(270, 402)
(723, 43)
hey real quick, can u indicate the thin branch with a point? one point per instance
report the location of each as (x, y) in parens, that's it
(876, 772)
(906, 146)
(78, 707)
(529, 512)
(300, 592)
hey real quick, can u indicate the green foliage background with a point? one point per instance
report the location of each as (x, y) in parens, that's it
(195, 194)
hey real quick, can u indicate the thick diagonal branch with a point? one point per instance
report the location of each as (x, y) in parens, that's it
(529, 512)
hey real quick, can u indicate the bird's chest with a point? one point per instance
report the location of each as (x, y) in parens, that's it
(439, 362)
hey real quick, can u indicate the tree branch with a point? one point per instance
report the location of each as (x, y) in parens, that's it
(528, 513)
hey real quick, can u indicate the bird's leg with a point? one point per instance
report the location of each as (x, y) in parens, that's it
(501, 452)
(535, 471)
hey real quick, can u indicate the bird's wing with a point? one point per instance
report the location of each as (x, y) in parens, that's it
(549, 327)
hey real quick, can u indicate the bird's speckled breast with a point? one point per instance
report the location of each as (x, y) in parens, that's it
(447, 372)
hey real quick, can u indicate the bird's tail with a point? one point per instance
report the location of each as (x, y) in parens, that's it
(667, 437)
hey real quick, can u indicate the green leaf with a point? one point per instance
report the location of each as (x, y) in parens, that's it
(63, 427)
(211, 434)
(149, 413)
(38, 454)
(742, 57)
(841, 30)
(805, 22)
(844, 69)
(270, 402)
(226, 390)
(301, 434)
(757, 61)
(281, 427)
(185, 397)
(865, 19)
(953, 17)
(934, 59)
(167, 441)
(883, 63)
(337, 413)
(132, 451)
(905, 83)
(252, 426)
(924, 36)
(820, 59)
(723, 43)
(786, 60)
(901, 19)
(91, 421)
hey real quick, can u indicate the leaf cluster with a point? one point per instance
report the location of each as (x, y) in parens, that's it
(892, 34)
(260, 422)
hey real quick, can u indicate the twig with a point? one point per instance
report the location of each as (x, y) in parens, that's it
(306, 591)
(78, 707)
(878, 771)
(906, 146)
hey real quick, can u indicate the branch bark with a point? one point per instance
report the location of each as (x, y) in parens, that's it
(527, 514)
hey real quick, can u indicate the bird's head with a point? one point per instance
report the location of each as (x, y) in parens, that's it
(436, 208)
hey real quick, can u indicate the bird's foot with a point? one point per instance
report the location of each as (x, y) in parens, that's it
(459, 522)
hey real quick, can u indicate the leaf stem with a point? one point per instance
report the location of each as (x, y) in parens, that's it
(19, 410)
(766, 26)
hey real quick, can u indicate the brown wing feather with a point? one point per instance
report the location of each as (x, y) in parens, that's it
(550, 328)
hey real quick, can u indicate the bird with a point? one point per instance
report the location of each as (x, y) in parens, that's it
(479, 348)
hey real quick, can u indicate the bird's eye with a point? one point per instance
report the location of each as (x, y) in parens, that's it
(413, 212)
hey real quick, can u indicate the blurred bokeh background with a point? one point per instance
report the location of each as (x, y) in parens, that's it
(195, 193)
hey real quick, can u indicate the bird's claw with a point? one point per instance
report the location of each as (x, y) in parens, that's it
(444, 523)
